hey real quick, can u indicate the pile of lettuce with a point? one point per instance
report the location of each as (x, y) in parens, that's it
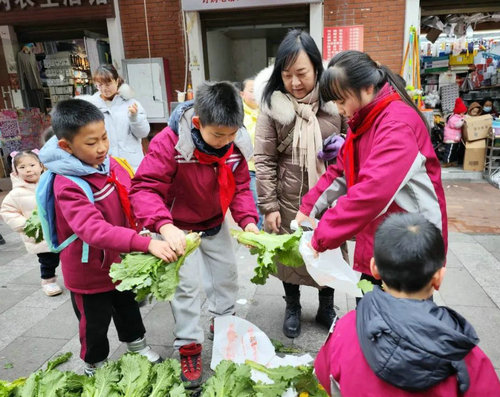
(271, 249)
(33, 227)
(131, 376)
(145, 274)
(231, 380)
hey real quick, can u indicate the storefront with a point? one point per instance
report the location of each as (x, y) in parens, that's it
(460, 58)
(50, 48)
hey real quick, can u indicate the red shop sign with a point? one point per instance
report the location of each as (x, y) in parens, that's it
(341, 38)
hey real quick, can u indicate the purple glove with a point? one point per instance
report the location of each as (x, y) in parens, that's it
(331, 147)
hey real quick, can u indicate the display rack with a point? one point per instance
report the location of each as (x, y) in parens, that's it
(492, 164)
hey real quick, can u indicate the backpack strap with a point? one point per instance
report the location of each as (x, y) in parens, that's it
(83, 184)
(286, 142)
(125, 165)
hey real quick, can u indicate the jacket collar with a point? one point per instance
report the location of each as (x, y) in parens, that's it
(181, 123)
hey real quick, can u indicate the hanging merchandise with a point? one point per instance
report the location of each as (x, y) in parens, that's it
(410, 71)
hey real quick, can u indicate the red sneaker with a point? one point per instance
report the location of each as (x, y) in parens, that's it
(191, 364)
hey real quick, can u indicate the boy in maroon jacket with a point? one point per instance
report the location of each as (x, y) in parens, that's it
(195, 171)
(80, 149)
(398, 342)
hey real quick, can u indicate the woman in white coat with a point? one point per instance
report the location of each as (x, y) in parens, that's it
(125, 119)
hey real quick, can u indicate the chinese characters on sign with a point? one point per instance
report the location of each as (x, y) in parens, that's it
(341, 38)
(22, 4)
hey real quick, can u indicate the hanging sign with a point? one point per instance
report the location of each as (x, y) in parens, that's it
(19, 12)
(341, 38)
(204, 5)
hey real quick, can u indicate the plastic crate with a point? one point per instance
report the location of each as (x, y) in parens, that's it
(462, 59)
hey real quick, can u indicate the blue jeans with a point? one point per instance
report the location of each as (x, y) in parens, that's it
(253, 188)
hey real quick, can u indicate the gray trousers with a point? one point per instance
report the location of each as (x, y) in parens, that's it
(215, 262)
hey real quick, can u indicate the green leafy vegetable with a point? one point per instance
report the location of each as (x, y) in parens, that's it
(103, 383)
(33, 227)
(270, 249)
(279, 347)
(146, 274)
(365, 286)
(166, 378)
(7, 387)
(230, 379)
(135, 375)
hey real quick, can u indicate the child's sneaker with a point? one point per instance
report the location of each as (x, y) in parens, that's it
(139, 346)
(89, 369)
(50, 287)
(191, 364)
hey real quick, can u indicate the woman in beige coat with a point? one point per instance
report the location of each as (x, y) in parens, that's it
(291, 128)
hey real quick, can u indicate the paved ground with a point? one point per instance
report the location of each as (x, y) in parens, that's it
(34, 328)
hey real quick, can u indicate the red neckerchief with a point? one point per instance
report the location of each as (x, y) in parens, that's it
(225, 177)
(364, 126)
(124, 201)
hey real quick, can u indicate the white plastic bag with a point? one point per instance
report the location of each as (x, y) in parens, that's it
(237, 339)
(329, 268)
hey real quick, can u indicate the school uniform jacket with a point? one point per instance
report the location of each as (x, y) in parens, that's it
(396, 170)
(171, 186)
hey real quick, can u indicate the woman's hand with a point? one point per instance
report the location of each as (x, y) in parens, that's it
(272, 221)
(303, 218)
(133, 109)
(161, 249)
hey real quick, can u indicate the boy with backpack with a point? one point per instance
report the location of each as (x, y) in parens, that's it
(398, 342)
(194, 171)
(83, 204)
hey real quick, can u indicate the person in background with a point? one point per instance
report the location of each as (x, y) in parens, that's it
(251, 110)
(80, 149)
(195, 170)
(2, 240)
(386, 165)
(291, 127)
(398, 342)
(475, 109)
(488, 107)
(17, 207)
(453, 133)
(125, 119)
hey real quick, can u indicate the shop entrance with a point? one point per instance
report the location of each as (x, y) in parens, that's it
(64, 55)
(238, 44)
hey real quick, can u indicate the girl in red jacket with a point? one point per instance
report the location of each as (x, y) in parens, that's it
(386, 165)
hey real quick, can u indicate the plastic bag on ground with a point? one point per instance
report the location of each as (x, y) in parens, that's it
(329, 268)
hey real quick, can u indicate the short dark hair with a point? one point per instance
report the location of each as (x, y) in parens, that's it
(72, 114)
(107, 73)
(295, 41)
(409, 250)
(349, 72)
(218, 103)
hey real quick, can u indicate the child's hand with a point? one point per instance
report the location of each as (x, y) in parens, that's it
(161, 249)
(133, 109)
(175, 237)
(303, 218)
(252, 227)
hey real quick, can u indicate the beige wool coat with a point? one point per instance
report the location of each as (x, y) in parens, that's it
(17, 207)
(281, 183)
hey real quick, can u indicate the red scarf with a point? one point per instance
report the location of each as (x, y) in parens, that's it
(352, 135)
(124, 201)
(225, 177)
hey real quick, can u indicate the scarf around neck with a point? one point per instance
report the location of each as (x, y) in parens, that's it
(362, 126)
(225, 177)
(307, 138)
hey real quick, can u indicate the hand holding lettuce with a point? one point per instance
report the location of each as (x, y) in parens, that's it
(146, 274)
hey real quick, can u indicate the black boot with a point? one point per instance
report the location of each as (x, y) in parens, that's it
(326, 312)
(291, 324)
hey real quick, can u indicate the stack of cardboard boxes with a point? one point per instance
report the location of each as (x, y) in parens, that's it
(475, 131)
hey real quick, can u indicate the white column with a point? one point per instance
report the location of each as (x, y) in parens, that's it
(116, 39)
(10, 49)
(195, 41)
(316, 24)
(412, 17)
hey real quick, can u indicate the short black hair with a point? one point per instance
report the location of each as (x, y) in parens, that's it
(72, 114)
(294, 42)
(409, 250)
(218, 103)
